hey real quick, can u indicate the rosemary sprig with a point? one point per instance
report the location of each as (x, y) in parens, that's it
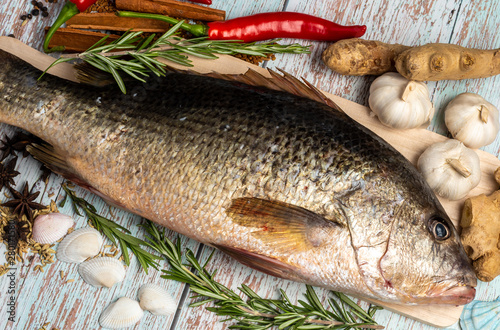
(256, 312)
(142, 53)
(113, 231)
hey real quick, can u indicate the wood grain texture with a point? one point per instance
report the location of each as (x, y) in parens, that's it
(109, 21)
(43, 297)
(78, 40)
(410, 143)
(172, 8)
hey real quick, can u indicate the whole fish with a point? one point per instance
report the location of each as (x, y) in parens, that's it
(284, 184)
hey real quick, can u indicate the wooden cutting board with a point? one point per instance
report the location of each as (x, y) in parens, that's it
(411, 143)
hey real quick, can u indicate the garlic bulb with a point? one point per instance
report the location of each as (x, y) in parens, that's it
(450, 168)
(472, 120)
(399, 102)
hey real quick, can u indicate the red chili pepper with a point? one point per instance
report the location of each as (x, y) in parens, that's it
(282, 25)
(70, 9)
(205, 2)
(265, 26)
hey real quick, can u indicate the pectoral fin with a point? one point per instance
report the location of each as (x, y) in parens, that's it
(281, 225)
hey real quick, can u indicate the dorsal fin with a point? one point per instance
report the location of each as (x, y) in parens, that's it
(283, 82)
(91, 76)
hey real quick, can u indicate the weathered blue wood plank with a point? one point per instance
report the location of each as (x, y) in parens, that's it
(44, 297)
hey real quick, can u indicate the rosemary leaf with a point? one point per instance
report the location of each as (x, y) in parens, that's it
(132, 74)
(149, 63)
(95, 63)
(118, 79)
(59, 60)
(176, 58)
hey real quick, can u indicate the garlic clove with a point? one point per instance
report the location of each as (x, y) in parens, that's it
(399, 102)
(450, 168)
(472, 120)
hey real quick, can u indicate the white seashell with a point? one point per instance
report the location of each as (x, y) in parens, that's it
(49, 228)
(481, 315)
(122, 313)
(157, 300)
(79, 245)
(102, 271)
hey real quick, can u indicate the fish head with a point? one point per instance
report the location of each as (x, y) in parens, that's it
(406, 247)
(424, 261)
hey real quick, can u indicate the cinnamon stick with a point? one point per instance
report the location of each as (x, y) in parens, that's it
(109, 21)
(172, 8)
(77, 40)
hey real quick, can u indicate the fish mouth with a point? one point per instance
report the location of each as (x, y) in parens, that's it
(457, 295)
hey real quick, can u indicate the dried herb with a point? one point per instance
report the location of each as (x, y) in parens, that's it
(8, 173)
(25, 247)
(23, 203)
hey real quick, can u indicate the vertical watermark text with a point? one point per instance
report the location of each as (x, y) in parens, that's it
(12, 239)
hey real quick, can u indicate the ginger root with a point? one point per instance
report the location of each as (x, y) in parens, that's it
(433, 62)
(444, 61)
(481, 233)
(359, 57)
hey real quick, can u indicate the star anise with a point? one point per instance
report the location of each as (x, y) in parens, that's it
(8, 173)
(23, 203)
(7, 148)
(17, 143)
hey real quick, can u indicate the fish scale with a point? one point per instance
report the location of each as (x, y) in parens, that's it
(284, 184)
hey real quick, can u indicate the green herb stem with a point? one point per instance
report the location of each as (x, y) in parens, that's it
(256, 312)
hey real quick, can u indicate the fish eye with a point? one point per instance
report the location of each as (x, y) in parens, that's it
(439, 228)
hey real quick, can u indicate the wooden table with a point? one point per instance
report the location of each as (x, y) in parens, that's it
(45, 297)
